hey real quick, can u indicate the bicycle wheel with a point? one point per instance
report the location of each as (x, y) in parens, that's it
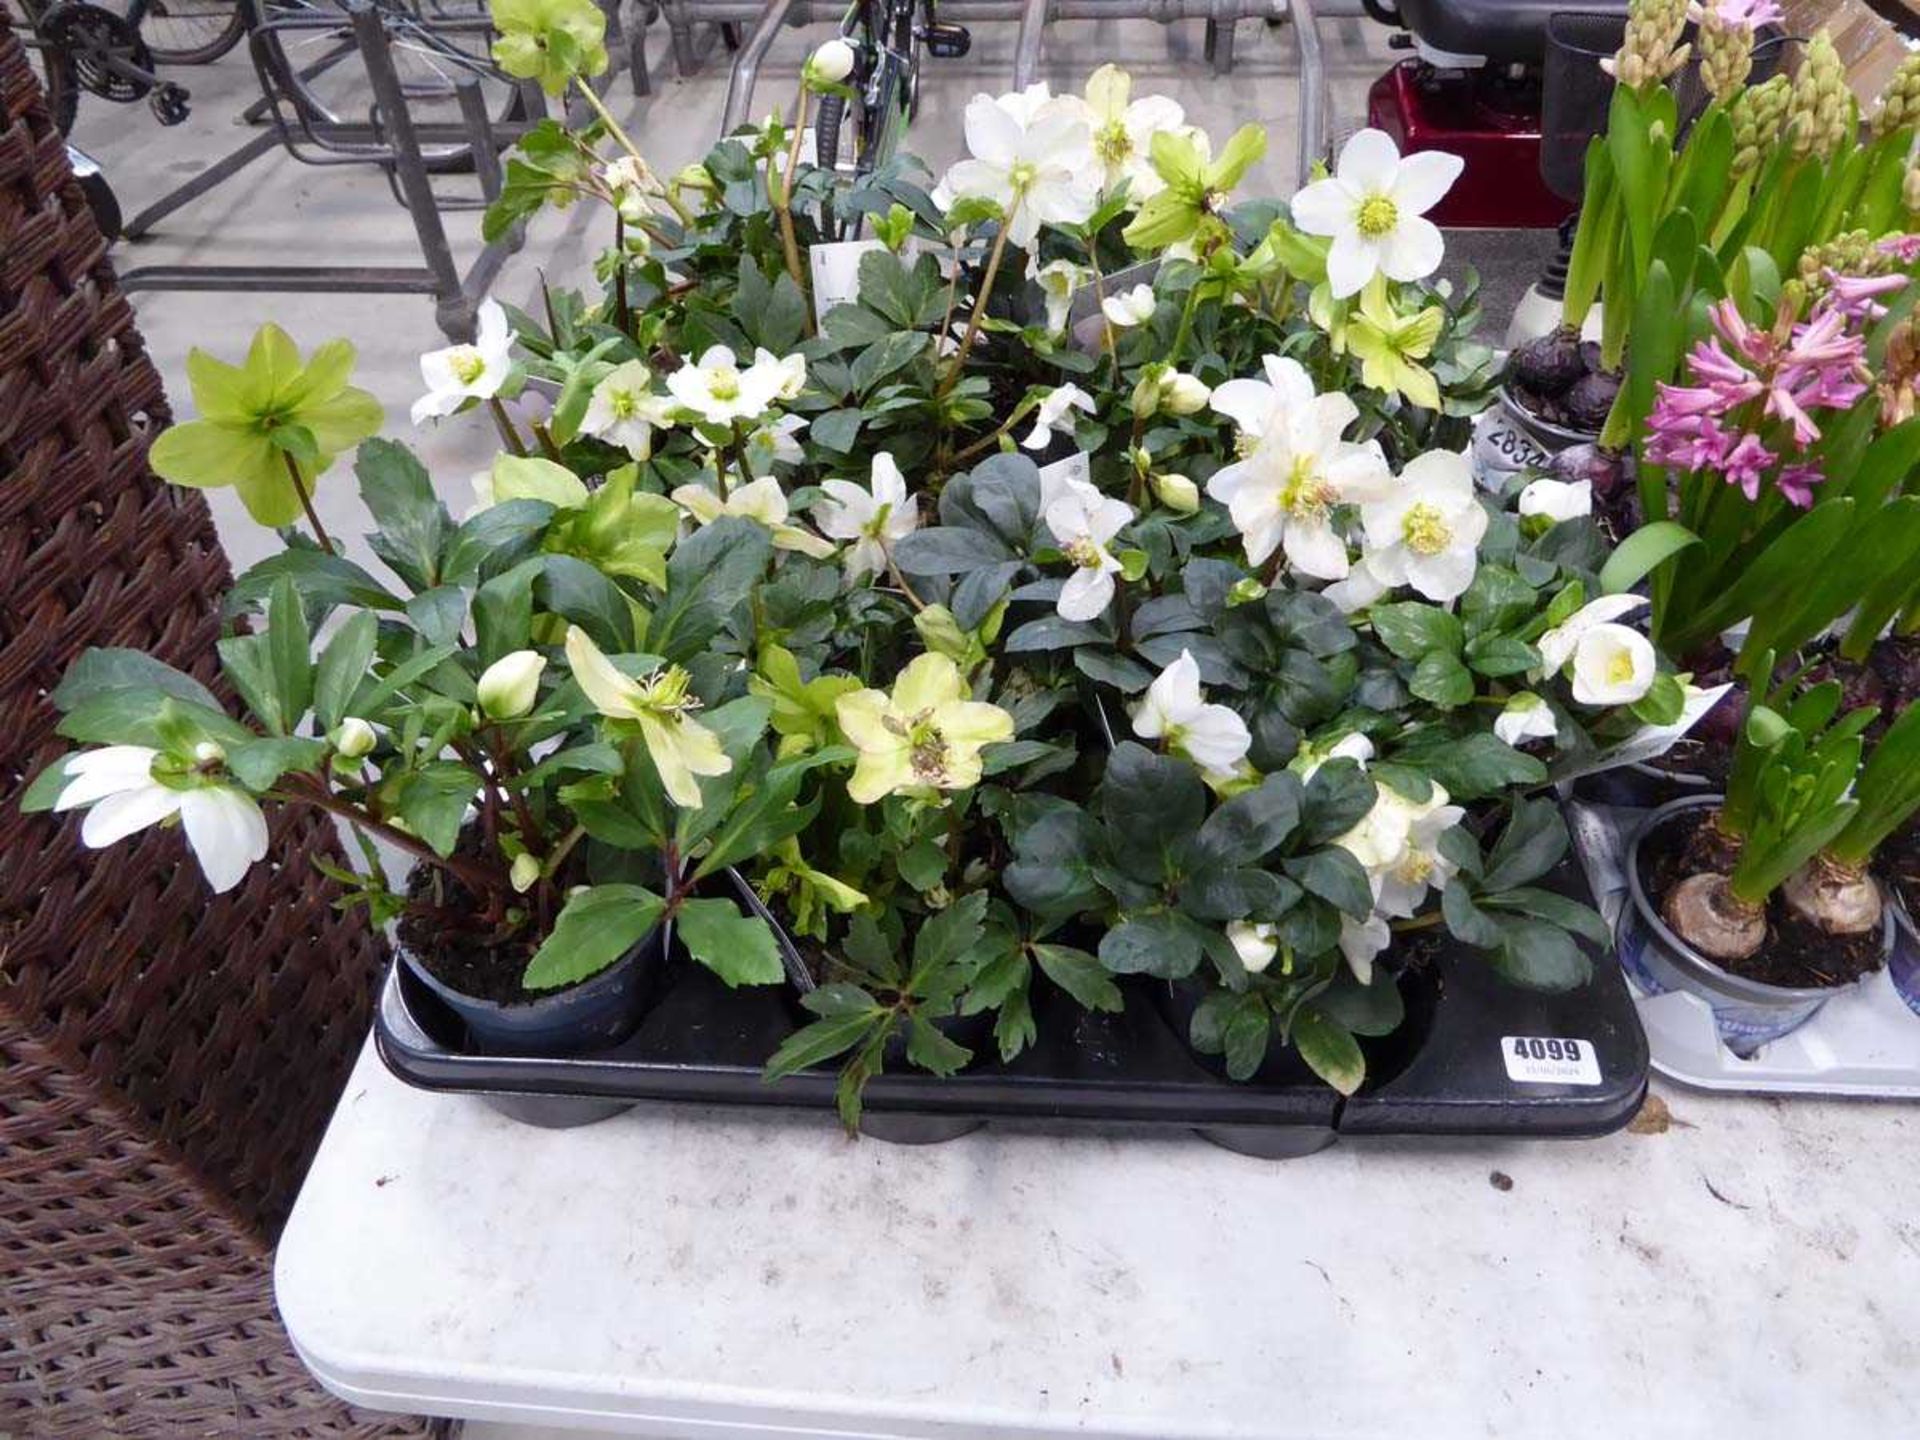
(188, 32)
(311, 51)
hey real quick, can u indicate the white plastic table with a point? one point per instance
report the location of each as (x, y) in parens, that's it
(1753, 1271)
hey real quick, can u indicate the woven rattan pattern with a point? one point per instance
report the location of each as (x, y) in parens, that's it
(171, 1057)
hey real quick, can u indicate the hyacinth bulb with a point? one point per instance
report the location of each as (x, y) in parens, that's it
(1590, 399)
(1605, 470)
(1550, 363)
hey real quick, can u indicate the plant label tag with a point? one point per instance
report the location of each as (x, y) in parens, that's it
(1066, 470)
(1537, 1060)
(1501, 450)
(1649, 742)
(836, 273)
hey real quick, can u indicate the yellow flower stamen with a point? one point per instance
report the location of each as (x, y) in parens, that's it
(1085, 554)
(1620, 668)
(1425, 530)
(1112, 142)
(1378, 216)
(1305, 496)
(1021, 175)
(467, 364)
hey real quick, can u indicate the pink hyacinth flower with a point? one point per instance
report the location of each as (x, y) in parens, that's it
(1857, 296)
(1904, 248)
(1746, 463)
(1796, 482)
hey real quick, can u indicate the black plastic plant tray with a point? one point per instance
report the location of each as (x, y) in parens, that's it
(1445, 1072)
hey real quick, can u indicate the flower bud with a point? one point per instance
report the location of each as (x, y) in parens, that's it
(1176, 492)
(1900, 101)
(1183, 394)
(353, 737)
(1145, 400)
(830, 64)
(508, 688)
(524, 872)
(209, 752)
(1910, 189)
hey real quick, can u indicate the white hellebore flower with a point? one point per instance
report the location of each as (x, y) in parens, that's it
(509, 686)
(830, 64)
(773, 443)
(1361, 941)
(1425, 533)
(871, 519)
(1032, 155)
(1058, 280)
(1352, 746)
(1254, 942)
(1174, 710)
(1526, 717)
(1558, 644)
(1052, 414)
(715, 389)
(223, 824)
(1123, 130)
(1399, 888)
(623, 409)
(1129, 307)
(1283, 492)
(629, 181)
(1084, 521)
(1557, 499)
(1374, 207)
(461, 373)
(1612, 665)
(762, 500)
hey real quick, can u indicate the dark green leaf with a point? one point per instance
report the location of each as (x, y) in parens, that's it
(928, 1048)
(1441, 679)
(1412, 630)
(1329, 1049)
(1336, 798)
(1532, 844)
(1152, 944)
(98, 671)
(343, 665)
(1336, 877)
(1252, 823)
(1080, 975)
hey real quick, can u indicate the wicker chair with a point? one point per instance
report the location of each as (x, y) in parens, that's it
(170, 1057)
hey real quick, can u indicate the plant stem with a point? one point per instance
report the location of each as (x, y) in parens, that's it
(1181, 335)
(547, 447)
(623, 312)
(783, 206)
(901, 580)
(973, 319)
(503, 422)
(306, 504)
(481, 879)
(1020, 412)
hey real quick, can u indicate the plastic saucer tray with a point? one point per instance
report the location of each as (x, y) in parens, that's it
(1475, 1056)
(1862, 1042)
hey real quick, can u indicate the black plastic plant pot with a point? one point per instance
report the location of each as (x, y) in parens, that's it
(973, 1031)
(1467, 1061)
(1747, 1013)
(1903, 966)
(593, 1015)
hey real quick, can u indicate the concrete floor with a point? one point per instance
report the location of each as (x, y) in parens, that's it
(283, 212)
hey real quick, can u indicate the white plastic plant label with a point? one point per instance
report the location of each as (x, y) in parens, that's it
(1501, 450)
(1066, 470)
(1545, 1060)
(836, 273)
(1647, 743)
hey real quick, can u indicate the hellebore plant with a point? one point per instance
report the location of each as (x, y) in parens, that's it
(1246, 689)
